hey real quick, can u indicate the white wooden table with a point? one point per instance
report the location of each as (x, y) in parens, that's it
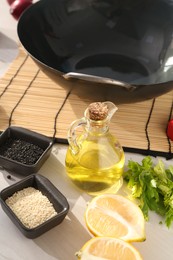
(64, 240)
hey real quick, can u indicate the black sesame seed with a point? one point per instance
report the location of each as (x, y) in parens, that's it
(21, 151)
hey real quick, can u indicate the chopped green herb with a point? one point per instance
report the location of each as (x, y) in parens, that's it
(153, 186)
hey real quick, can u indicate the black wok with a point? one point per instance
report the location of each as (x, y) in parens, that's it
(118, 50)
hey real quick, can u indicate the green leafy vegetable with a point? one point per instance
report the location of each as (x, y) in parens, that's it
(153, 186)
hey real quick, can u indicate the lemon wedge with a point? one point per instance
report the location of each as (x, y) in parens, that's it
(111, 215)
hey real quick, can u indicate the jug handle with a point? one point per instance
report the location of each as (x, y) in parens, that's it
(97, 79)
(72, 137)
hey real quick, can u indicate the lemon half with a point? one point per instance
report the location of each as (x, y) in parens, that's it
(108, 248)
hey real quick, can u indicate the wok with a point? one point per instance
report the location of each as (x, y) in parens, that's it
(119, 50)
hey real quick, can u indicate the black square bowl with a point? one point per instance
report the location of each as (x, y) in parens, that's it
(42, 184)
(31, 137)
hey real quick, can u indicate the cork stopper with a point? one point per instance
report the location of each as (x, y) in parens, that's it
(98, 111)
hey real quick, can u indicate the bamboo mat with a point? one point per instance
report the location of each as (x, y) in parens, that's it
(28, 98)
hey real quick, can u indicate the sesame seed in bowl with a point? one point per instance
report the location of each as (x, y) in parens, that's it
(34, 205)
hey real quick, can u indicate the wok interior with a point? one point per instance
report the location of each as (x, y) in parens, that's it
(124, 40)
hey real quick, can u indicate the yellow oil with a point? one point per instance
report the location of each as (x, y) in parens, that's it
(98, 166)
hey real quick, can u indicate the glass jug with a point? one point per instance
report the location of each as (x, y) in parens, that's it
(95, 158)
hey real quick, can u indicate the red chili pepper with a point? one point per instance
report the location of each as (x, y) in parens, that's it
(18, 6)
(170, 130)
(10, 1)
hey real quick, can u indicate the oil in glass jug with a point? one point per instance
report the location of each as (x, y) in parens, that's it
(95, 158)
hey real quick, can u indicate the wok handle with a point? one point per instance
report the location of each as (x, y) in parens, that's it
(96, 79)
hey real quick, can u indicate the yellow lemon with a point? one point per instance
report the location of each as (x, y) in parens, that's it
(108, 248)
(115, 216)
